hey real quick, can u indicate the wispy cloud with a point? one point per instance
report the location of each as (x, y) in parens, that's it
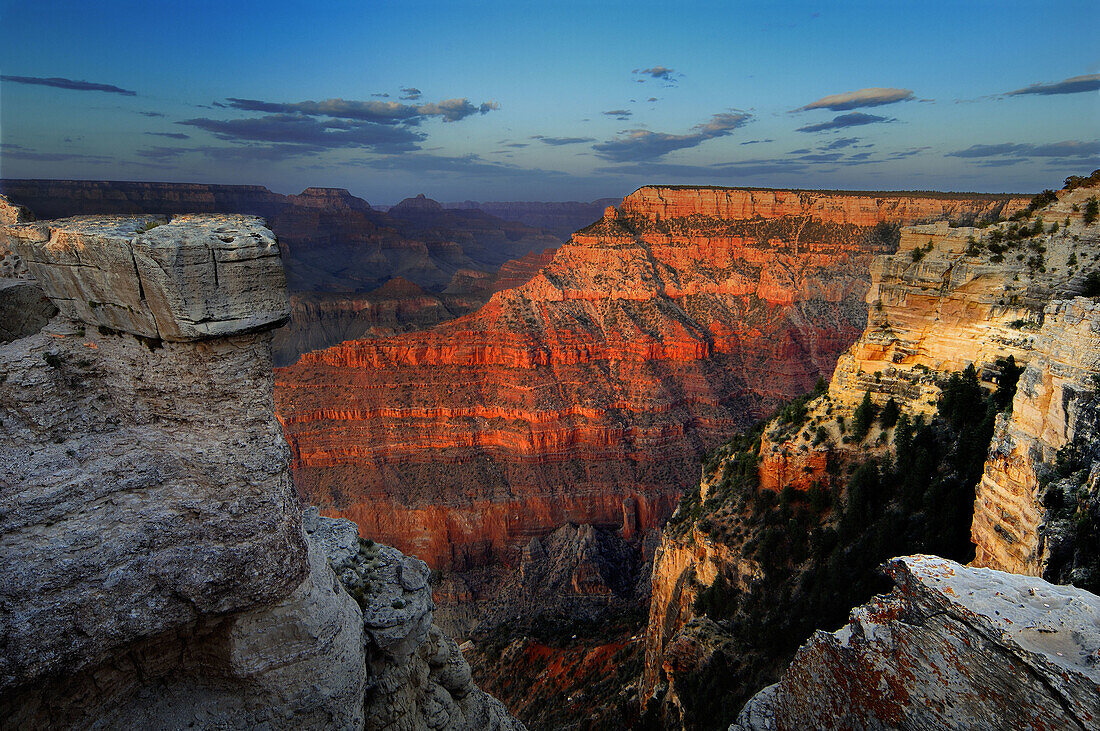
(663, 73)
(152, 114)
(451, 110)
(851, 119)
(559, 141)
(1018, 151)
(642, 144)
(410, 92)
(312, 133)
(69, 84)
(1073, 85)
(841, 142)
(872, 97)
(172, 135)
(620, 114)
(18, 152)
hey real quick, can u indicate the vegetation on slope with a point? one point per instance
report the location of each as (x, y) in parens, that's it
(819, 549)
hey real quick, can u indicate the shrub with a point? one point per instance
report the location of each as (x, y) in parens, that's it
(864, 417)
(1092, 209)
(890, 414)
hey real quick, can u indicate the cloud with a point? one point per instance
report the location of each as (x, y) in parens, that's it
(651, 99)
(517, 144)
(1067, 149)
(658, 72)
(245, 153)
(841, 142)
(452, 110)
(851, 119)
(173, 135)
(18, 152)
(60, 83)
(702, 173)
(1073, 85)
(642, 144)
(410, 92)
(755, 142)
(299, 130)
(872, 97)
(901, 154)
(468, 165)
(558, 141)
(381, 95)
(152, 114)
(620, 114)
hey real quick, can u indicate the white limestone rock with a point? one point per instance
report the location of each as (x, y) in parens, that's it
(952, 647)
(185, 278)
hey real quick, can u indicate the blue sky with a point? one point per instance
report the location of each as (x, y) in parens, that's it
(552, 101)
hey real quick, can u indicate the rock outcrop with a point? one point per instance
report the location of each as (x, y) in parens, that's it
(332, 242)
(951, 647)
(1052, 435)
(646, 340)
(950, 298)
(155, 569)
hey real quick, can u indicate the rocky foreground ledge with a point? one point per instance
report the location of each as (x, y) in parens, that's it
(156, 570)
(952, 647)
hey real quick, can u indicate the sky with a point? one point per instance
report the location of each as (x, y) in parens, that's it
(552, 100)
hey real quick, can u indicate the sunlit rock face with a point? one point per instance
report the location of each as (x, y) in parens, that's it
(953, 304)
(1055, 414)
(655, 333)
(951, 647)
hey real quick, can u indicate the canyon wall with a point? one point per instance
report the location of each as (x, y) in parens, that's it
(951, 647)
(1045, 454)
(336, 248)
(646, 340)
(950, 298)
(157, 569)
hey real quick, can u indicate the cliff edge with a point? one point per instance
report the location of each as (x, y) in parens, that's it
(155, 568)
(951, 647)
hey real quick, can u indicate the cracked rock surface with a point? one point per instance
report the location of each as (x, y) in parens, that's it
(952, 647)
(180, 278)
(416, 676)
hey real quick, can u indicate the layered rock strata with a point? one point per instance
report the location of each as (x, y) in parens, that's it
(951, 647)
(654, 334)
(335, 246)
(155, 569)
(951, 297)
(1055, 410)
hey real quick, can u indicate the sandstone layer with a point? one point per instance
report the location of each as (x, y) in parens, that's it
(951, 647)
(646, 340)
(156, 572)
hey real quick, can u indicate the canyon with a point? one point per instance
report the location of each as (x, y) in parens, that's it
(588, 394)
(339, 252)
(924, 440)
(159, 569)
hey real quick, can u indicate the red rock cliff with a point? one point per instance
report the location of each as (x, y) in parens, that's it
(654, 334)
